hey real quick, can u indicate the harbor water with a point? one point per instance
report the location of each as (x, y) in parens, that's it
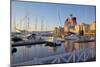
(28, 53)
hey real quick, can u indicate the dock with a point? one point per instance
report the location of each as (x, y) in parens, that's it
(28, 42)
(85, 41)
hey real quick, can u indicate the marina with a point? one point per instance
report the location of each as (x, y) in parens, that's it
(35, 39)
(52, 33)
(31, 54)
(52, 47)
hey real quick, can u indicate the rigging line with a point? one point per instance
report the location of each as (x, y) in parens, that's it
(59, 17)
(14, 24)
(42, 24)
(36, 23)
(46, 25)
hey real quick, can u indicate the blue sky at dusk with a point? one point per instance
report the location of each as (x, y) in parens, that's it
(48, 13)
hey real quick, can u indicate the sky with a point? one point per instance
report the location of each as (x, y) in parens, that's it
(50, 15)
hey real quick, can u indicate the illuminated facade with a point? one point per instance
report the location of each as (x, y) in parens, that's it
(69, 24)
(93, 26)
(85, 27)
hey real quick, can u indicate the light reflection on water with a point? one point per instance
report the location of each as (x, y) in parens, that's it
(27, 53)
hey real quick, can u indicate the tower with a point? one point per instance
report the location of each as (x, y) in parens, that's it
(70, 23)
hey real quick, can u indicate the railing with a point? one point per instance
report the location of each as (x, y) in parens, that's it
(80, 55)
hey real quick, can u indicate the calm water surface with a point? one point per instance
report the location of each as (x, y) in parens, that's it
(27, 53)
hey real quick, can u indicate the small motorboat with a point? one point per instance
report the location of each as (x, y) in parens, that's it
(53, 41)
(16, 39)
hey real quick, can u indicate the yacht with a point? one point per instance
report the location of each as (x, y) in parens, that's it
(53, 41)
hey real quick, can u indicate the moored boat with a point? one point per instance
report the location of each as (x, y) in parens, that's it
(53, 41)
(71, 37)
(83, 39)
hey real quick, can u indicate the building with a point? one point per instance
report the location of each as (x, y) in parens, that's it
(58, 31)
(69, 24)
(93, 26)
(77, 28)
(85, 27)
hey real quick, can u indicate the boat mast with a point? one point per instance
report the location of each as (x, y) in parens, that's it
(46, 25)
(27, 21)
(36, 24)
(14, 24)
(59, 18)
(42, 25)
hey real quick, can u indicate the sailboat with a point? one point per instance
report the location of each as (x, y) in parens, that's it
(55, 40)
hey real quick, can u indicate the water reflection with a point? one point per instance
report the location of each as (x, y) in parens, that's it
(52, 49)
(29, 46)
(93, 45)
(68, 46)
(77, 46)
(27, 53)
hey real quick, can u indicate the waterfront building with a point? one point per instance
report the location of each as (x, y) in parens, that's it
(58, 31)
(85, 27)
(88, 29)
(69, 24)
(93, 26)
(77, 28)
